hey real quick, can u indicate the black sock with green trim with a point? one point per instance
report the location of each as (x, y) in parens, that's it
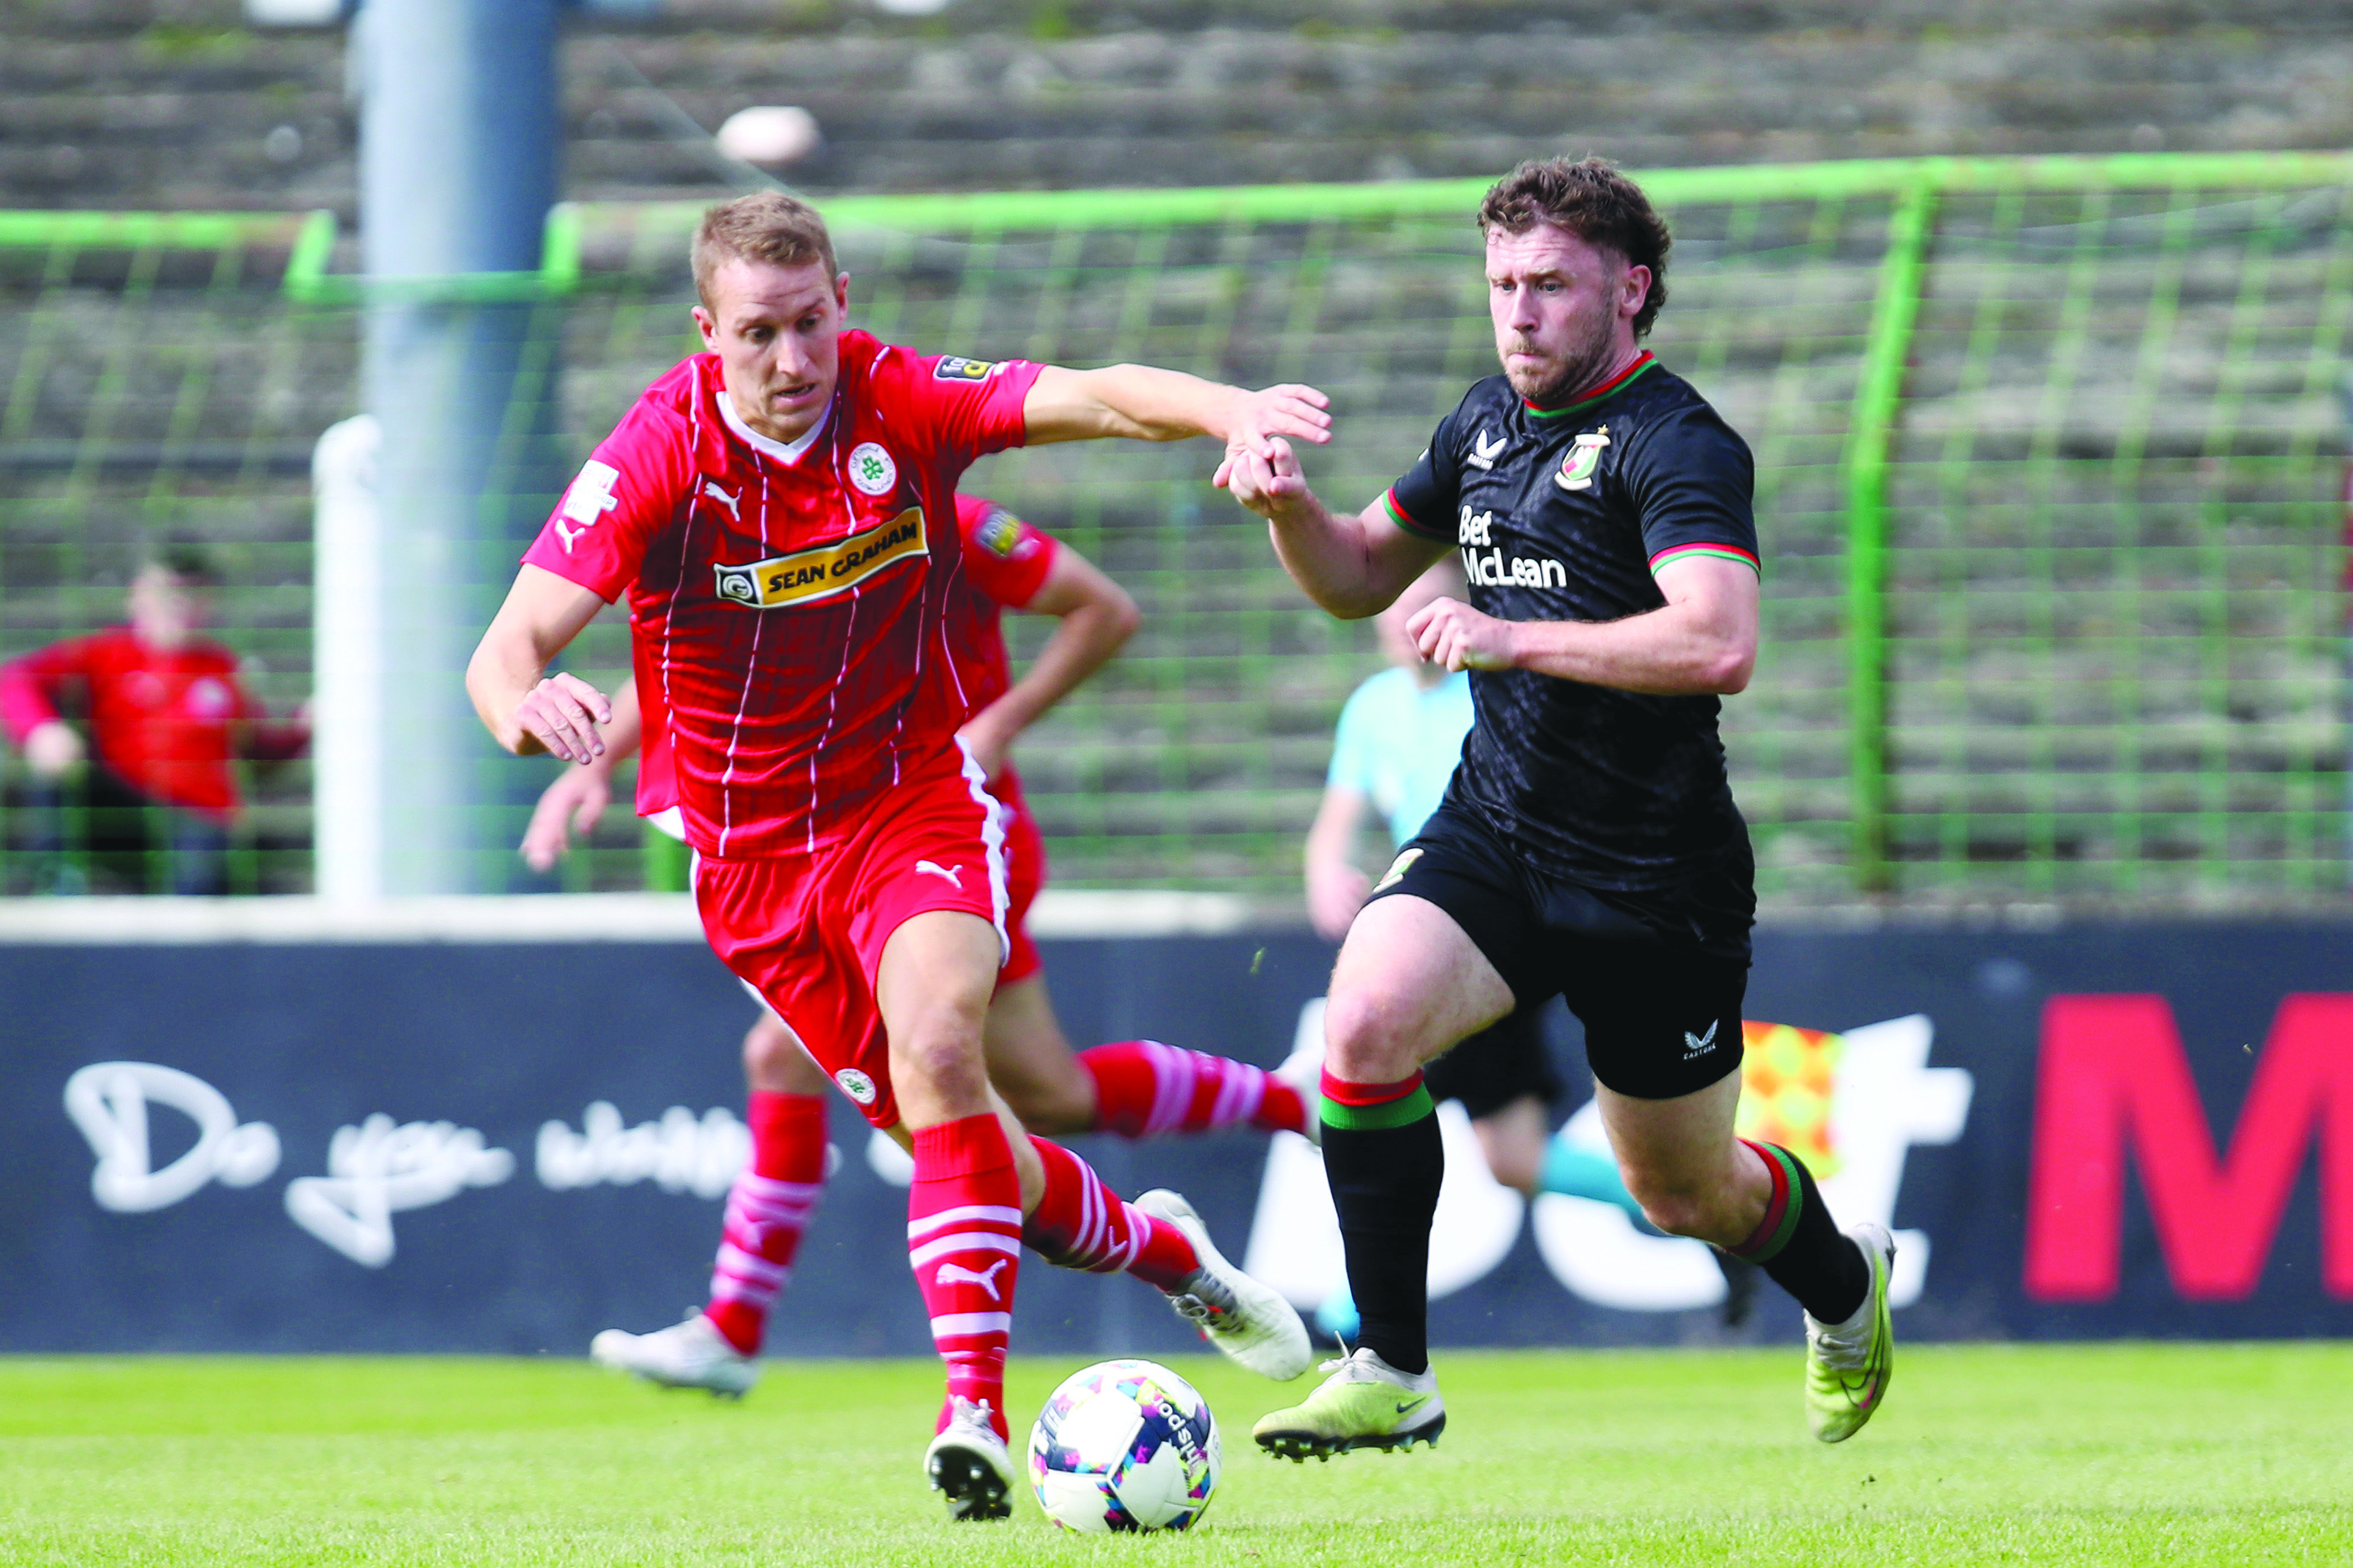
(1799, 1246)
(1384, 1159)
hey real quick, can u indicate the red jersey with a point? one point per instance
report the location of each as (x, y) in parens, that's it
(789, 605)
(1006, 561)
(164, 721)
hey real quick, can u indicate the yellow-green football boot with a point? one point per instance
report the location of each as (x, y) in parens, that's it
(1848, 1365)
(1364, 1403)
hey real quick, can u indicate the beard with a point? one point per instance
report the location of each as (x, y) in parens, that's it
(1578, 364)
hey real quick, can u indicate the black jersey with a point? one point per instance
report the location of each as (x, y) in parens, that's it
(1564, 514)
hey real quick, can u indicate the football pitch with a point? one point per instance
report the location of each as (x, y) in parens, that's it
(2039, 1455)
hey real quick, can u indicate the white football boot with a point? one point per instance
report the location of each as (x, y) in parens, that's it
(689, 1354)
(969, 1463)
(1303, 1069)
(1251, 1322)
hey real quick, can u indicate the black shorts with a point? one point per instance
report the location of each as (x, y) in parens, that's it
(1505, 1061)
(1662, 1015)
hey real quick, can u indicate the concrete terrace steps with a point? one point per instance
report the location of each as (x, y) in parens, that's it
(174, 103)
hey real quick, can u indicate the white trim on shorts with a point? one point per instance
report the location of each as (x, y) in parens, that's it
(992, 843)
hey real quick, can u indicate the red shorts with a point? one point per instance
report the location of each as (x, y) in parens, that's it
(807, 931)
(1025, 873)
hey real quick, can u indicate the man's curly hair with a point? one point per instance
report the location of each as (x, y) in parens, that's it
(1590, 199)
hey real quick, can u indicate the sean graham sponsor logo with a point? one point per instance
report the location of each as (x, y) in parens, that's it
(828, 568)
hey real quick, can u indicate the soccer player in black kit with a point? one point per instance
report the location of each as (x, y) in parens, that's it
(1589, 845)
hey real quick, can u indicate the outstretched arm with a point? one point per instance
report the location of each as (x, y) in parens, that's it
(1097, 618)
(1142, 404)
(1702, 640)
(1353, 566)
(526, 709)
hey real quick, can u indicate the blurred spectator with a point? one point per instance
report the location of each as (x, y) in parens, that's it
(142, 787)
(1400, 735)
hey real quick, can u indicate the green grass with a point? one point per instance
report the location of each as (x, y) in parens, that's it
(2043, 1456)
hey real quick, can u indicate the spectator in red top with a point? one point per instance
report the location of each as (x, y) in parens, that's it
(165, 716)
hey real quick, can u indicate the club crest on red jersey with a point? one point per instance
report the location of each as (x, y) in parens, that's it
(856, 1085)
(826, 568)
(872, 468)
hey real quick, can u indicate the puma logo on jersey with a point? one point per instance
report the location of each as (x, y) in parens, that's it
(1700, 1043)
(733, 503)
(952, 875)
(589, 498)
(957, 1274)
(1483, 453)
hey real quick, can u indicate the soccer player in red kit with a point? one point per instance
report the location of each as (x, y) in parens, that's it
(1132, 1087)
(779, 511)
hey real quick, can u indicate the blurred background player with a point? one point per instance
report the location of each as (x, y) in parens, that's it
(780, 511)
(1400, 737)
(1131, 1088)
(150, 796)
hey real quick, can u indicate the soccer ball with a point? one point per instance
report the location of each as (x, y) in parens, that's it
(1124, 1445)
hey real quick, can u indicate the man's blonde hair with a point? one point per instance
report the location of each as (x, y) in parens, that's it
(770, 227)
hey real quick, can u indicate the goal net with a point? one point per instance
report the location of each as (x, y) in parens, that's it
(2049, 460)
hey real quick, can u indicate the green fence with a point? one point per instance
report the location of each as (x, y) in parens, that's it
(2050, 487)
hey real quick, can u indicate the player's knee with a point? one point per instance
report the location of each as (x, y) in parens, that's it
(766, 1049)
(1368, 1038)
(1516, 1168)
(942, 1049)
(1678, 1207)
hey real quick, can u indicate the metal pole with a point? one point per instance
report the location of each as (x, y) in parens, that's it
(459, 165)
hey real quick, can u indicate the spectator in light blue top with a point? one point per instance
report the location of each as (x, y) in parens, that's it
(1400, 735)
(1399, 738)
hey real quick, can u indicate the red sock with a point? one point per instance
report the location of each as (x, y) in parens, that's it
(1083, 1224)
(1142, 1086)
(963, 1242)
(768, 1209)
